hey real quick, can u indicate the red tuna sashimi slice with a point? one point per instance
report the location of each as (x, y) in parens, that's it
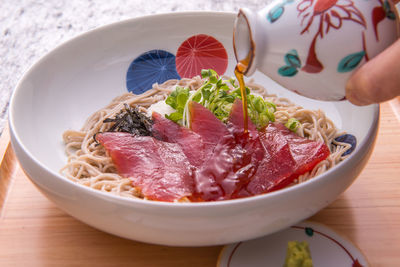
(209, 127)
(233, 163)
(230, 167)
(306, 153)
(287, 156)
(159, 169)
(191, 143)
(277, 166)
(236, 118)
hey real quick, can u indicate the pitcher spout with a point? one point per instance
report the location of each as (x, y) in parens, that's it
(244, 44)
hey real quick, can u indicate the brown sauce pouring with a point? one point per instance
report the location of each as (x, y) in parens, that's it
(240, 69)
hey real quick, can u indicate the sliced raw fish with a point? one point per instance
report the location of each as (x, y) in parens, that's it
(191, 143)
(233, 163)
(159, 169)
(212, 161)
(307, 153)
(246, 164)
(287, 157)
(209, 127)
(236, 118)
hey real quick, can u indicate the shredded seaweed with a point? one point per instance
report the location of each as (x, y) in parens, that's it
(130, 120)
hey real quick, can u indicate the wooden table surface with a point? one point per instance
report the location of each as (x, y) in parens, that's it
(34, 232)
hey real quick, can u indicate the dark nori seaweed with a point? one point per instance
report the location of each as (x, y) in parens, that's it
(130, 120)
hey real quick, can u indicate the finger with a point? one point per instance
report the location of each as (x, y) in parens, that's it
(378, 80)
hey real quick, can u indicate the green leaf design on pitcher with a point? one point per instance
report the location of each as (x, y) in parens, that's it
(292, 59)
(293, 63)
(389, 13)
(350, 62)
(276, 12)
(287, 71)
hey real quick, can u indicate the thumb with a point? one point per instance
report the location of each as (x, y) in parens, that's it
(378, 80)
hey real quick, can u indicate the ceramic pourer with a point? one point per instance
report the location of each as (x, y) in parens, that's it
(312, 47)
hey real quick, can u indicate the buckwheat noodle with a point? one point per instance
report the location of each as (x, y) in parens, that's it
(88, 163)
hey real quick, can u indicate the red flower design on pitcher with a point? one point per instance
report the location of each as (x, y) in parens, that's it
(329, 14)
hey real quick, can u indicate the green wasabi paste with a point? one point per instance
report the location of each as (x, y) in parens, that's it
(298, 255)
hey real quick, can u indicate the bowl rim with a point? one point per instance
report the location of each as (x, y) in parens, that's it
(368, 140)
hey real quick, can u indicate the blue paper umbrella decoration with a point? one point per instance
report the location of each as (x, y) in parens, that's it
(155, 66)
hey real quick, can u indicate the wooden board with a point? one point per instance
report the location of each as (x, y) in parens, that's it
(34, 232)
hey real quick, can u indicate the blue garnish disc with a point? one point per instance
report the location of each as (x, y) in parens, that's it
(155, 66)
(349, 139)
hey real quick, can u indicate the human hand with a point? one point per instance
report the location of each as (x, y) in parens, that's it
(378, 80)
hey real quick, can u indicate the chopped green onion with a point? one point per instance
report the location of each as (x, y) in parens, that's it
(292, 124)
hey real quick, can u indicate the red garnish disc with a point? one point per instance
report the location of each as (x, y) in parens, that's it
(200, 52)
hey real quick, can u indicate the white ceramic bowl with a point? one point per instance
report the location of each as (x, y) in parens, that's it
(61, 90)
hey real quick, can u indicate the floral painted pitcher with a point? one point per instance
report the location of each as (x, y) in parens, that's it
(312, 46)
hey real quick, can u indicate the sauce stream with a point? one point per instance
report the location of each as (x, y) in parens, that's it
(239, 70)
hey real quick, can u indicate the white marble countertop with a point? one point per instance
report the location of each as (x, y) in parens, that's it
(31, 28)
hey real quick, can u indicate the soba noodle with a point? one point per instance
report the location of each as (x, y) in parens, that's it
(89, 165)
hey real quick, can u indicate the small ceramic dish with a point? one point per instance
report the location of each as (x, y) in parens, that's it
(83, 75)
(327, 248)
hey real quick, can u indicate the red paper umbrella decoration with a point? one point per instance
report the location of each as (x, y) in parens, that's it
(200, 52)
